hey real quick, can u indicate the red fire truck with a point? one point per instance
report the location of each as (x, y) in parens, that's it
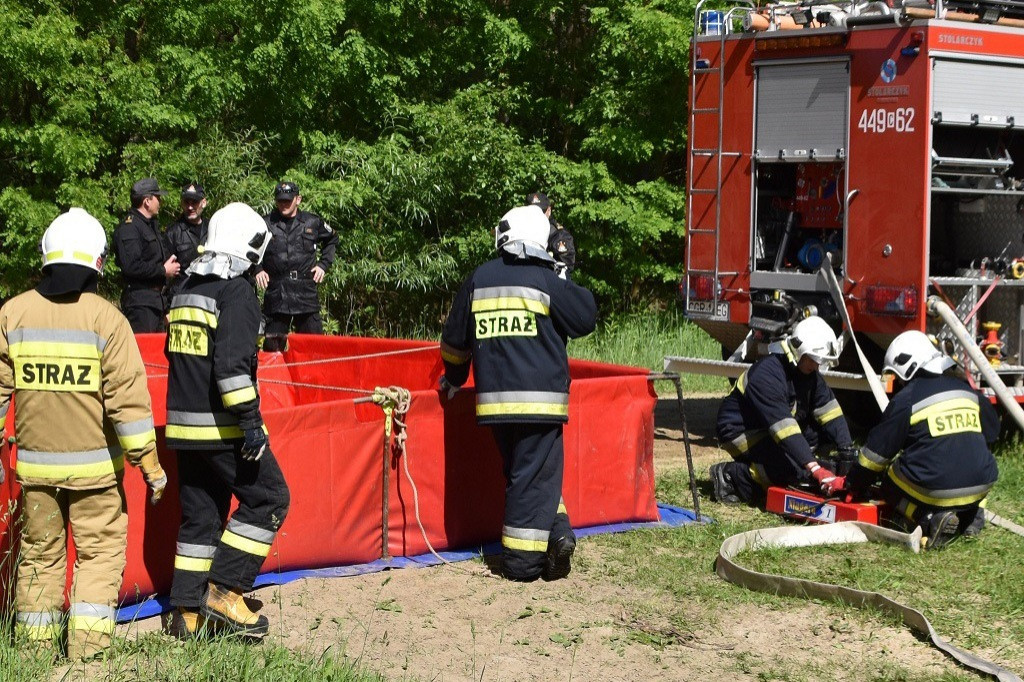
(887, 139)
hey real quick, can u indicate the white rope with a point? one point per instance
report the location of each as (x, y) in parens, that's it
(327, 361)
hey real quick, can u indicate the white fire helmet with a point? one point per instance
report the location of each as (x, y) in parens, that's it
(526, 224)
(74, 238)
(912, 351)
(237, 230)
(812, 336)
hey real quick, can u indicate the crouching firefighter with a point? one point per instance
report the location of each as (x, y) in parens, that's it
(214, 422)
(944, 429)
(70, 361)
(511, 318)
(770, 421)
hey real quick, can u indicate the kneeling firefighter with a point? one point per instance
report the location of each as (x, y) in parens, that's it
(70, 361)
(769, 423)
(214, 422)
(943, 428)
(511, 318)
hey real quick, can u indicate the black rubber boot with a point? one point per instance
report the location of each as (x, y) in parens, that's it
(558, 562)
(722, 489)
(940, 529)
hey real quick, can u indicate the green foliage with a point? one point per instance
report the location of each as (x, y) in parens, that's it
(411, 126)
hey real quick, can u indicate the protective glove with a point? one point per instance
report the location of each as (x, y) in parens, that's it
(825, 478)
(448, 389)
(255, 444)
(156, 478)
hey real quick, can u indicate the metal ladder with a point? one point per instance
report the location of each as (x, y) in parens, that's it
(728, 17)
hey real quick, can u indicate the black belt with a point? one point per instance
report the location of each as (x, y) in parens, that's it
(298, 274)
(137, 286)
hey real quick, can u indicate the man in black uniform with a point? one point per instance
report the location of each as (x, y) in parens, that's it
(188, 232)
(145, 258)
(511, 318)
(561, 245)
(944, 429)
(215, 424)
(292, 270)
(770, 421)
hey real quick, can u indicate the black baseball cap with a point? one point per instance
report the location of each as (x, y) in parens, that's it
(286, 190)
(146, 187)
(193, 190)
(539, 199)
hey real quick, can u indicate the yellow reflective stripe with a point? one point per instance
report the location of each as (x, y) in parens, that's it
(785, 432)
(54, 349)
(91, 623)
(245, 544)
(830, 415)
(80, 256)
(524, 545)
(509, 303)
(561, 509)
(492, 409)
(242, 395)
(188, 563)
(189, 314)
(203, 432)
(869, 464)
(68, 471)
(137, 441)
(944, 406)
(741, 383)
(759, 475)
(922, 496)
(39, 633)
(453, 355)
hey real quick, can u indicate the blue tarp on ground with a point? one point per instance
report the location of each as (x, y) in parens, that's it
(670, 517)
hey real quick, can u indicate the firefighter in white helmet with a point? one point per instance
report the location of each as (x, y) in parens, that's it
(771, 420)
(214, 422)
(943, 428)
(510, 321)
(70, 361)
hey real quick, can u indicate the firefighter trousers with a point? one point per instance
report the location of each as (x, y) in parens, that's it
(99, 527)
(765, 465)
(228, 554)
(534, 510)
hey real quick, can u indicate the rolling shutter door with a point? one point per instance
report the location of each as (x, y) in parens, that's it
(802, 111)
(977, 93)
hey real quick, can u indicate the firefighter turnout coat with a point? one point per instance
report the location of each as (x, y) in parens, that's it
(211, 348)
(775, 399)
(512, 319)
(943, 428)
(290, 259)
(77, 377)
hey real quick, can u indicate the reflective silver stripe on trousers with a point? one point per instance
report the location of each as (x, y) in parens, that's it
(87, 457)
(943, 397)
(201, 418)
(525, 534)
(196, 301)
(826, 408)
(528, 293)
(38, 619)
(134, 428)
(251, 532)
(4, 407)
(522, 397)
(195, 551)
(57, 336)
(233, 383)
(87, 610)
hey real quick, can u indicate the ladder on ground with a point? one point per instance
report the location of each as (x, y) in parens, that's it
(700, 71)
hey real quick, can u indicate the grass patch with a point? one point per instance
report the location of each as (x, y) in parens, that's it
(644, 338)
(154, 656)
(973, 591)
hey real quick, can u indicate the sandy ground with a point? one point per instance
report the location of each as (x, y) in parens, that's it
(460, 622)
